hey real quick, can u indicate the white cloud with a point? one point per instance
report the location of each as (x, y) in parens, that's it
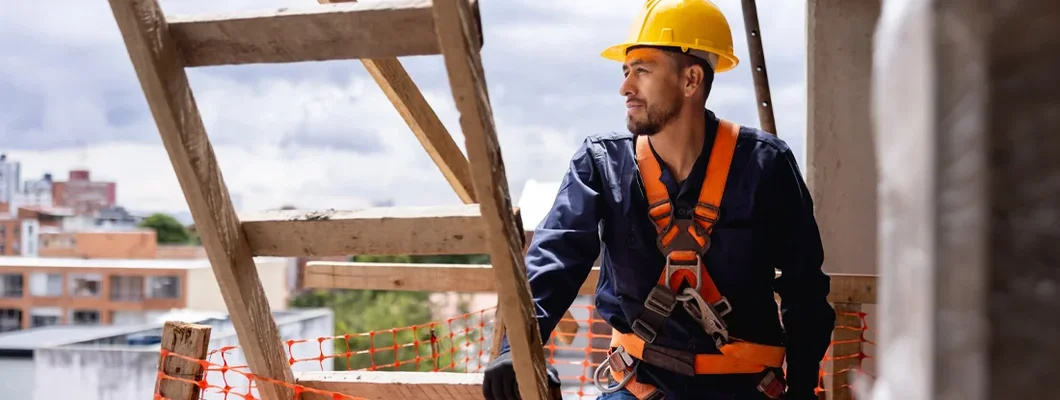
(323, 134)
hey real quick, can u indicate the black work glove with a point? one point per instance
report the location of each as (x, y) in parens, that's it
(499, 381)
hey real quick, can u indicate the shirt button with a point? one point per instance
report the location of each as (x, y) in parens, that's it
(629, 239)
(682, 212)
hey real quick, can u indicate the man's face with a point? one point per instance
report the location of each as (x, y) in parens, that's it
(652, 90)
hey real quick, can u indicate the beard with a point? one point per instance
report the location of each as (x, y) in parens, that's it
(656, 116)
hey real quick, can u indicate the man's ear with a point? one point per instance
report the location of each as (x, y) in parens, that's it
(692, 79)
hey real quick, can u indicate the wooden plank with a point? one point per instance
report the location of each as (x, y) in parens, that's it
(853, 288)
(187, 340)
(409, 102)
(372, 29)
(466, 278)
(455, 34)
(385, 385)
(454, 229)
(472, 278)
(164, 82)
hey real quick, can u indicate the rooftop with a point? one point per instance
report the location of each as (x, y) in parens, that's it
(148, 263)
(127, 335)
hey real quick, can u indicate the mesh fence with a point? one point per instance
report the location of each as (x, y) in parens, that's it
(458, 344)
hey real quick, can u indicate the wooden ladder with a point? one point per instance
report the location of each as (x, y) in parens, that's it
(161, 47)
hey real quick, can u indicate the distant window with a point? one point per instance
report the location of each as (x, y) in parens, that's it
(43, 284)
(10, 319)
(86, 285)
(43, 320)
(84, 317)
(163, 287)
(11, 285)
(126, 288)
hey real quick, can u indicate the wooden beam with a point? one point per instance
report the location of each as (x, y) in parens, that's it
(186, 340)
(470, 278)
(455, 34)
(456, 229)
(466, 278)
(409, 102)
(372, 29)
(385, 385)
(164, 82)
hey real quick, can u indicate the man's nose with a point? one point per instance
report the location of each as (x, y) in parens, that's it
(626, 88)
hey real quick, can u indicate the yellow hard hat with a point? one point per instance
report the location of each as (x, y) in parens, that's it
(687, 24)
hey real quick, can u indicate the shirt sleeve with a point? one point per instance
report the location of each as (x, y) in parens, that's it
(566, 243)
(795, 242)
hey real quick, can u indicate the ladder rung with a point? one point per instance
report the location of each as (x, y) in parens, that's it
(343, 31)
(394, 384)
(465, 278)
(457, 229)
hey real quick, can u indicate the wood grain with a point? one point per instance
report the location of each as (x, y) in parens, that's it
(188, 340)
(385, 385)
(372, 29)
(456, 229)
(455, 33)
(164, 82)
(467, 278)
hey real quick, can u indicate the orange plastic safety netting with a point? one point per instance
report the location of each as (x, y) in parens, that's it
(458, 344)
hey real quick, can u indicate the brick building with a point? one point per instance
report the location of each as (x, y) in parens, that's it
(82, 195)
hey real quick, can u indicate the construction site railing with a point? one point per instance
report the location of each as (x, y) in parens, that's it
(449, 354)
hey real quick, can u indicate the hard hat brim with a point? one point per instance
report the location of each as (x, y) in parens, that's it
(726, 61)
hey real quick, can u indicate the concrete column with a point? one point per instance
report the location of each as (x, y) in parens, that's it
(841, 162)
(841, 158)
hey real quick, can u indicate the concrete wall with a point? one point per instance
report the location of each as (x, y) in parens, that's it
(842, 172)
(205, 294)
(840, 145)
(16, 381)
(123, 373)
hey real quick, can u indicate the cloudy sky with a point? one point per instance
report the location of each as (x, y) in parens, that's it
(316, 134)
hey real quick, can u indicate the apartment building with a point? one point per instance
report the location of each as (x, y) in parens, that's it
(39, 291)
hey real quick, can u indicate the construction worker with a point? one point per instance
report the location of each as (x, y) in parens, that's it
(695, 215)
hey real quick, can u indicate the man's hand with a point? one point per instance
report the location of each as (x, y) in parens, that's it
(499, 382)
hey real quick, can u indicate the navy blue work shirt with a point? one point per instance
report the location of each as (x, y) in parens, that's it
(766, 222)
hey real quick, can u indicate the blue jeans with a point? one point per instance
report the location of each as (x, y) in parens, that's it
(622, 394)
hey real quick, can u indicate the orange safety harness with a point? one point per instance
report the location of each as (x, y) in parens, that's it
(684, 242)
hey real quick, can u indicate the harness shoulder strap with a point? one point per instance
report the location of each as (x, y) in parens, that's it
(684, 241)
(660, 207)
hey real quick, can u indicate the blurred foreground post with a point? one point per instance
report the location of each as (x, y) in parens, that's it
(966, 99)
(186, 340)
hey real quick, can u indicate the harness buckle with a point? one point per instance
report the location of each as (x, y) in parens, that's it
(694, 266)
(772, 385)
(661, 301)
(709, 316)
(657, 308)
(618, 361)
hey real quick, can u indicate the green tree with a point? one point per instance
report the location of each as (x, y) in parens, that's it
(380, 311)
(168, 229)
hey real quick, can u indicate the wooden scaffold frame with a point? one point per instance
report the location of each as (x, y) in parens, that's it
(162, 47)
